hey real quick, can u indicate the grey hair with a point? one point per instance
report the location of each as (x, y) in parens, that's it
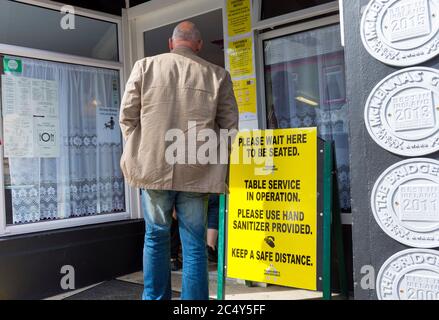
(187, 34)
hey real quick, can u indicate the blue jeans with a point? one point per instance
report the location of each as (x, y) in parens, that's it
(192, 219)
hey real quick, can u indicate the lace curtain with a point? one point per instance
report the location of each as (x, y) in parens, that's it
(86, 178)
(305, 87)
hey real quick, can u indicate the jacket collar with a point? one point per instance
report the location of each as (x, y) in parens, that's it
(184, 51)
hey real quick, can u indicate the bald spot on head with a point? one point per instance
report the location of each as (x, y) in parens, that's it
(187, 35)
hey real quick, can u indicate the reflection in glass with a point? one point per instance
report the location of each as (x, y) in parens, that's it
(305, 87)
(40, 28)
(274, 8)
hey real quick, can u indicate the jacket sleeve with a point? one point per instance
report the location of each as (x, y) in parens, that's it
(129, 117)
(227, 115)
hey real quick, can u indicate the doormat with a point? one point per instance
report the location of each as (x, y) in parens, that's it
(114, 290)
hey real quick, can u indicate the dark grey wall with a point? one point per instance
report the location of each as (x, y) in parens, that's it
(371, 246)
(30, 264)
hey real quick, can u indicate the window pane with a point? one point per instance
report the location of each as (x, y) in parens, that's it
(62, 141)
(274, 8)
(305, 87)
(20, 25)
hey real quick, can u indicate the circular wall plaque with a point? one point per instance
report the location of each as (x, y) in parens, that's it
(402, 112)
(405, 202)
(401, 32)
(411, 274)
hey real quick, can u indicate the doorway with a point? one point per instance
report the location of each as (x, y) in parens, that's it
(210, 25)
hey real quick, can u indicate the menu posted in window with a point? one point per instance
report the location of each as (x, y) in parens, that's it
(30, 117)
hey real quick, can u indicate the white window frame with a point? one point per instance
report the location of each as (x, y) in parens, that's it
(311, 12)
(132, 197)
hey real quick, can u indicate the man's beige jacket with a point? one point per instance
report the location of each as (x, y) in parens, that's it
(167, 92)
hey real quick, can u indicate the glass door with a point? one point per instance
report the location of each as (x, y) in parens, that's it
(305, 87)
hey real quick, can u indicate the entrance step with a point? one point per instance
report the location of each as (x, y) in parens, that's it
(236, 289)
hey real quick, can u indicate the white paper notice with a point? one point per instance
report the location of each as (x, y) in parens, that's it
(18, 136)
(30, 111)
(16, 98)
(107, 122)
(46, 137)
(45, 97)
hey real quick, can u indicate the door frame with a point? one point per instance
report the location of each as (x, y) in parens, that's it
(147, 16)
(158, 13)
(289, 30)
(346, 218)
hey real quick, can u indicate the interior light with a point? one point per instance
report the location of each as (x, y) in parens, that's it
(307, 101)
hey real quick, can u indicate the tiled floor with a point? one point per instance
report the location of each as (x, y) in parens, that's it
(129, 287)
(111, 290)
(235, 290)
